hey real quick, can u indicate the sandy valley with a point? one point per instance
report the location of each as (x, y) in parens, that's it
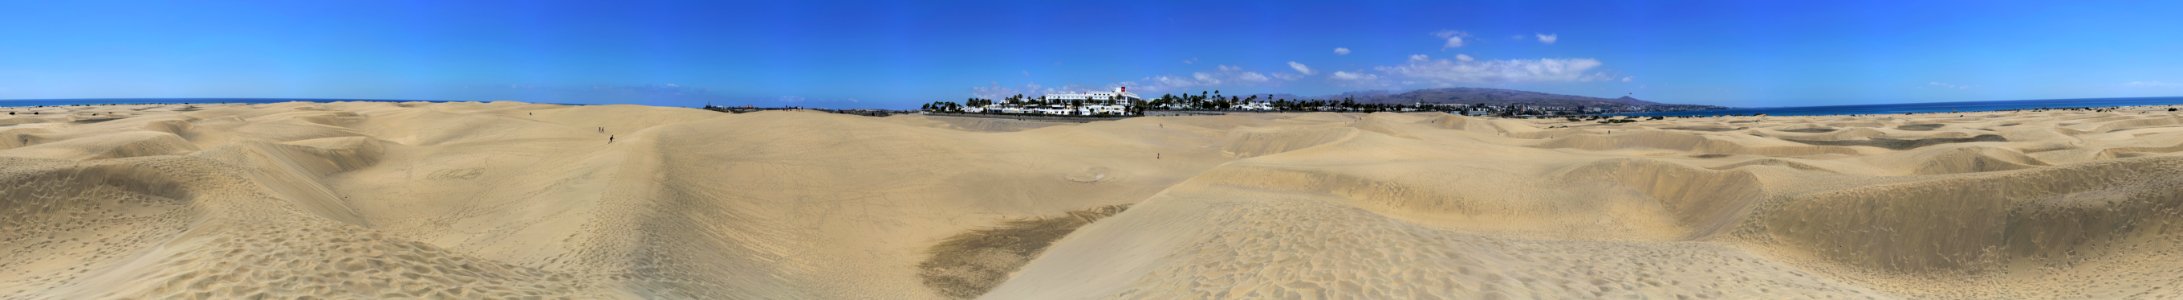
(473, 200)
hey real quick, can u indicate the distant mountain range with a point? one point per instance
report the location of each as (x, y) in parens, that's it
(1492, 96)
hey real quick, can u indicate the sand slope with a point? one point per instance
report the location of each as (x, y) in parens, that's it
(489, 200)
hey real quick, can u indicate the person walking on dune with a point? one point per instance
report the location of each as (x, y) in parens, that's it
(610, 139)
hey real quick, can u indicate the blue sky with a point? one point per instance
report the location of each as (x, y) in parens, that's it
(897, 54)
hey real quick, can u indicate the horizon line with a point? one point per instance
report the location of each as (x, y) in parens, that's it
(831, 107)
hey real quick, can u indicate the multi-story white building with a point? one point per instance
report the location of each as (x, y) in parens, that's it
(1120, 95)
(1114, 103)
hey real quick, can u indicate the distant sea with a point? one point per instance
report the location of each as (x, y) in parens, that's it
(1934, 107)
(64, 102)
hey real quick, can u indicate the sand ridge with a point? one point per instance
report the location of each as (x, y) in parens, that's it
(506, 199)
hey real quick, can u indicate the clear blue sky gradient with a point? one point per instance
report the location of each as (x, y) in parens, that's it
(897, 54)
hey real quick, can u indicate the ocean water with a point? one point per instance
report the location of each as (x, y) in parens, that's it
(64, 102)
(1935, 107)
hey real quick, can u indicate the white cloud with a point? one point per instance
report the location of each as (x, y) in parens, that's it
(1359, 79)
(1221, 75)
(1446, 72)
(2146, 83)
(1454, 38)
(993, 91)
(1352, 76)
(1300, 67)
(1190, 61)
(1206, 78)
(1548, 38)
(1945, 85)
(1252, 77)
(1418, 70)
(1625, 79)
(1341, 51)
(1167, 82)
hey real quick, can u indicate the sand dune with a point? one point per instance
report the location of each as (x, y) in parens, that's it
(503, 199)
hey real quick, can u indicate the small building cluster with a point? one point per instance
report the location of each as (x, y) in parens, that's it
(1120, 102)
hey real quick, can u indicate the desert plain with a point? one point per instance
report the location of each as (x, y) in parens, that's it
(514, 200)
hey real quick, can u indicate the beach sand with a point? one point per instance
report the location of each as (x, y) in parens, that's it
(502, 199)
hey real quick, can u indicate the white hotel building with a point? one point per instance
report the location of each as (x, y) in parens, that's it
(1120, 95)
(1095, 103)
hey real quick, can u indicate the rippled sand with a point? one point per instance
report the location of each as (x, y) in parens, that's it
(474, 200)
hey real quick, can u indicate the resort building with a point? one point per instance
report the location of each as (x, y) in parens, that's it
(1104, 109)
(1120, 95)
(1116, 103)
